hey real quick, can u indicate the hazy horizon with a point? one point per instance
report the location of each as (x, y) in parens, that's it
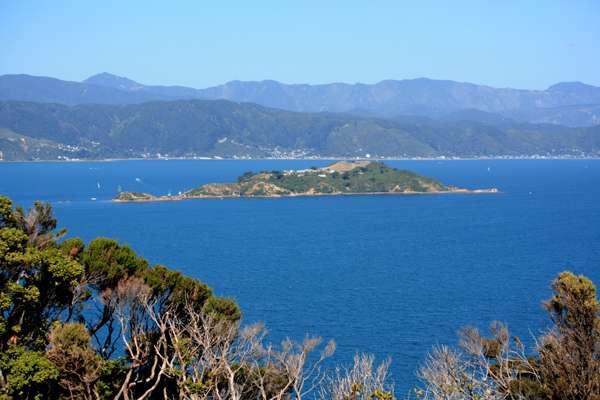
(530, 45)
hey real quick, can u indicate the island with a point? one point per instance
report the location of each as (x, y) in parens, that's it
(340, 178)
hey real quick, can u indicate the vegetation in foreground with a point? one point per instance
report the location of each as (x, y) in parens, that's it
(99, 322)
(565, 364)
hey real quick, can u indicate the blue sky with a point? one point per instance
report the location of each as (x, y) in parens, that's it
(519, 44)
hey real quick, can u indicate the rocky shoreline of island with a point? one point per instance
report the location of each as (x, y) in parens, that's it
(152, 199)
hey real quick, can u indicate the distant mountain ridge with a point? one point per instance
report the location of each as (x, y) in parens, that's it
(113, 81)
(568, 103)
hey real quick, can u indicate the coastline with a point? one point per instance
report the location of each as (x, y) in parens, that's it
(179, 198)
(308, 159)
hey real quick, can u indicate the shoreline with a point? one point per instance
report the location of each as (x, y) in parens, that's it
(306, 159)
(179, 198)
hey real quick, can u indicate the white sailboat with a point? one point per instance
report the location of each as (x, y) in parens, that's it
(119, 189)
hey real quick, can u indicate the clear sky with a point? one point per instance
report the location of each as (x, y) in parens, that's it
(524, 44)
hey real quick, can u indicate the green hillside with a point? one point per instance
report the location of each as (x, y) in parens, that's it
(338, 178)
(202, 128)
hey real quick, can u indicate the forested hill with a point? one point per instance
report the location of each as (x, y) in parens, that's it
(203, 128)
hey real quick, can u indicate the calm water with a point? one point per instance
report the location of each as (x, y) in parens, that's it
(389, 275)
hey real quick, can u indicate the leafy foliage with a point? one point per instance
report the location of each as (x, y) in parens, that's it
(38, 280)
(31, 375)
(569, 360)
(71, 353)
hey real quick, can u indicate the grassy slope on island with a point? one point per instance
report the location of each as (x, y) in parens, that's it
(134, 196)
(341, 177)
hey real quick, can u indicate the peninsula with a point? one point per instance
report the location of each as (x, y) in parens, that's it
(343, 177)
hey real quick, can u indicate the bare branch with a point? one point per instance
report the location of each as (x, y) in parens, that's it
(359, 382)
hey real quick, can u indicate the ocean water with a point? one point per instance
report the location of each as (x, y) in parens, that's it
(390, 275)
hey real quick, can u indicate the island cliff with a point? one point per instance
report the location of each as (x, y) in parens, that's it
(343, 177)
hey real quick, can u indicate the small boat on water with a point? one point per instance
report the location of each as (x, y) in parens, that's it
(138, 179)
(119, 189)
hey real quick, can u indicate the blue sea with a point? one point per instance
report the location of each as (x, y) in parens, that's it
(390, 275)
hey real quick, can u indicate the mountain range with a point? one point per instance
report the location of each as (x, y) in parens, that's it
(113, 117)
(571, 104)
